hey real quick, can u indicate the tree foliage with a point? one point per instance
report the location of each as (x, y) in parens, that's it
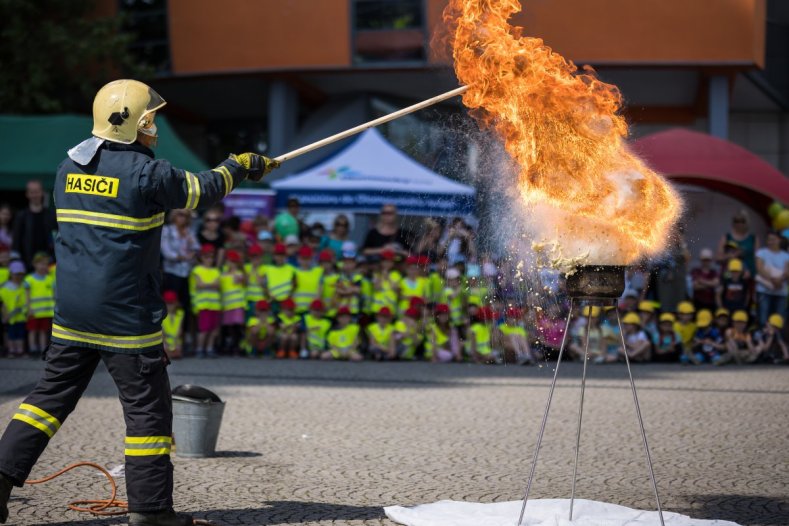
(55, 54)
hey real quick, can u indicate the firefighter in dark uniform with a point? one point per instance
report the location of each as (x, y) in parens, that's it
(111, 197)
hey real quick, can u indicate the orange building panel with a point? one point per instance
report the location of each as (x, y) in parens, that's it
(207, 36)
(672, 32)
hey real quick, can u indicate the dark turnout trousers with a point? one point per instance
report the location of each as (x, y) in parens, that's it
(144, 391)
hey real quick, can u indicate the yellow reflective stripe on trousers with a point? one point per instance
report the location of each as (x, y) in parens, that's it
(38, 418)
(225, 173)
(86, 217)
(192, 191)
(121, 342)
(148, 446)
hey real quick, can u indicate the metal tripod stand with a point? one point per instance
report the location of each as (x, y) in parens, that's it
(600, 302)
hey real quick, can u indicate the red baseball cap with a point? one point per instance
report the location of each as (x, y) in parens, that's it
(423, 261)
(317, 305)
(416, 301)
(305, 252)
(486, 314)
(207, 249)
(326, 255)
(344, 311)
(170, 296)
(412, 312)
(513, 312)
(384, 311)
(262, 305)
(233, 255)
(280, 249)
(388, 254)
(255, 250)
(411, 260)
(442, 308)
(288, 304)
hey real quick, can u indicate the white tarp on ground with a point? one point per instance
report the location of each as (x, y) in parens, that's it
(539, 512)
(371, 172)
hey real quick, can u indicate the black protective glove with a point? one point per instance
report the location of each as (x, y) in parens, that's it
(256, 165)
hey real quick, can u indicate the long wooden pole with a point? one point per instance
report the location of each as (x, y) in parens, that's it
(380, 120)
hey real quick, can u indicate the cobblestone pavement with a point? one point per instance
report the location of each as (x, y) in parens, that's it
(332, 443)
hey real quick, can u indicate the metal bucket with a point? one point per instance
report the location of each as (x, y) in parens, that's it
(196, 424)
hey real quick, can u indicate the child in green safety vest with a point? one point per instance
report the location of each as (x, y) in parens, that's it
(254, 270)
(409, 333)
(381, 336)
(343, 340)
(513, 338)
(413, 285)
(280, 278)
(40, 286)
(454, 297)
(261, 330)
(308, 281)
(349, 284)
(173, 325)
(316, 328)
(479, 337)
(289, 327)
(232, 286)
(206, 300)
(443, 342)
(385, 282)
(13, 297)
(329, 281)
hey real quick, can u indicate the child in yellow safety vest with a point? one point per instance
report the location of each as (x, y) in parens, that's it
(443, 342)
(13, 297)
(409, 333)
(316, 328)
(686, 326)
(385, 283)
(261, 330)
(280, 278)
(329, 281)
(513, 339)
(479, 337)
(5, 258)
(40, 286)
(343, 340)
(204, 287)
(289, 325)
(308, 281)
(173, 325)
(232, 285)
(381, 336)
(255, 271)
(454, 297)
(413, 285)
(349, 284)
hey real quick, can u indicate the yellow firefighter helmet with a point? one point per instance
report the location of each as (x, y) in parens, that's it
(123, 107)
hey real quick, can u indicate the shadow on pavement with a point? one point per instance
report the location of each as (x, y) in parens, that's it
(237, 454)
(748, 510)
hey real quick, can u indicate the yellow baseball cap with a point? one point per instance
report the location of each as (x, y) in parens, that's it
(722, 312)
(686, 307)
(776, 320)
(735, 265)
(594, 310)
(740, 315)
(703, 318)
(646, 306)
(631, 318)
(667, 316)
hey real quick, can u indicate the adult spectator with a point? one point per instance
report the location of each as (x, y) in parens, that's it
(428, 243)
(459, 242)
(339, 234)
(739, 243)
(287, 221)
(772, 273)
(34, 226)
(210, 233)
(385, 234)
(705, 281)
(179, 247)
(6, 216)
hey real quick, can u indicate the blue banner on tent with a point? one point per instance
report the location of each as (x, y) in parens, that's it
(371, 202)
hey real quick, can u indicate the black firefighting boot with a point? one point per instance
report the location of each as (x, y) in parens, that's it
(5, 494)
(160, 518)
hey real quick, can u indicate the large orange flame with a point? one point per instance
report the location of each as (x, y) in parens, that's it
(585, 193)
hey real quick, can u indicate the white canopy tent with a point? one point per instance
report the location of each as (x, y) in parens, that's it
(371, 172)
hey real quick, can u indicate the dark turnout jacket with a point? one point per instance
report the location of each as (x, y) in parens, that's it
(110, 215)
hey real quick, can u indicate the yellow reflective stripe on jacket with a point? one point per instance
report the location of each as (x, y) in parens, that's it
(482, 333)
(38, 418)
(225, 173)
(380, 336)
(121, 342)
(316, 332)
(233, 294)
(139, 224)
(148, 446)
(192, 191)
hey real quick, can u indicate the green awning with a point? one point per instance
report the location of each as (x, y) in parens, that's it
(32, 147)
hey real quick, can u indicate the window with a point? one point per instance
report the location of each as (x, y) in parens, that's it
(389, 31)
(147, 21)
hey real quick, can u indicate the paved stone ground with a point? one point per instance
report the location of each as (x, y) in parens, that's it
(332, 443)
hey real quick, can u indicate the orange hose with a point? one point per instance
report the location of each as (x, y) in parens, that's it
(103, 507)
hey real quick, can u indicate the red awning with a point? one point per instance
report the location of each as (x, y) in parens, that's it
(701, 159)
